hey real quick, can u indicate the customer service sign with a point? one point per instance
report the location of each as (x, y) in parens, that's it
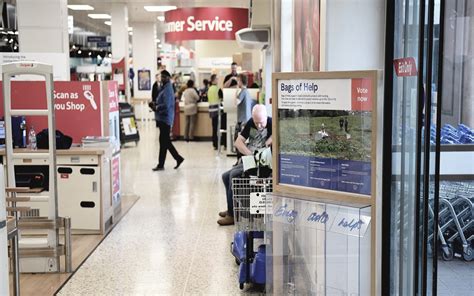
(204, 23)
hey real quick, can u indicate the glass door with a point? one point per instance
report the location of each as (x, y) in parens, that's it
(428, 211)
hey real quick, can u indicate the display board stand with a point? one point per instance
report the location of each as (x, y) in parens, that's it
(325, 141)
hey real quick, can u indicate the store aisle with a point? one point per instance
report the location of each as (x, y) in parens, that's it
(169, 243)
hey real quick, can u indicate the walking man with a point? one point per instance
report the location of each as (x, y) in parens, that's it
(164, 116)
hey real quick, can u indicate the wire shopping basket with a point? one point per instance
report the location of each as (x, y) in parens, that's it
(248, 193)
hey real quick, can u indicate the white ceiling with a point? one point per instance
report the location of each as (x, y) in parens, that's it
(136, 12)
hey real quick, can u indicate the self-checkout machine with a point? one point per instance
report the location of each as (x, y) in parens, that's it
(89, 176)
(322, 230)
(38, 221)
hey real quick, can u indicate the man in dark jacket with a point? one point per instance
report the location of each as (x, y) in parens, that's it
(155, 89)
(164, 116)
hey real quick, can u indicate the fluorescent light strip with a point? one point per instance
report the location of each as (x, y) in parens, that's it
(99, 16)
(161, 8)
(108, 23)
(80, 7)
(161, 18)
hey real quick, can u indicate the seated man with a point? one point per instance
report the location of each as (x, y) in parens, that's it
(258, 132)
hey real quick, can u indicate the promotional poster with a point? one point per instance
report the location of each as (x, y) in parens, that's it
(144, 80)
(325, 134)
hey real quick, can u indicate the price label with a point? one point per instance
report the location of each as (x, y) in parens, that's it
(258, 202)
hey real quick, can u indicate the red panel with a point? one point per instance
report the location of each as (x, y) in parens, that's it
(113, 96)
(362, 94)
(405, 67)
(77, 106)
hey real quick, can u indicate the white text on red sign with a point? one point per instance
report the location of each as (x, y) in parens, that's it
(200, 25)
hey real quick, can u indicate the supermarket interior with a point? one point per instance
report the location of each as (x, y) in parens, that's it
(316, 147)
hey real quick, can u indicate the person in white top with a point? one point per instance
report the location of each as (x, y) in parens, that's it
(191, 97)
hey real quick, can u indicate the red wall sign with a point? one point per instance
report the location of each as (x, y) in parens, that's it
(405, 67)
(361, 93)
(77, 106)
(204, 23)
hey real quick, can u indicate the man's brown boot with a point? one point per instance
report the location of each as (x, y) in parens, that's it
(227, 220)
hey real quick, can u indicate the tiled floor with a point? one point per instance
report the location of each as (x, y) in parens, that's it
(455, 277)
(169, 243)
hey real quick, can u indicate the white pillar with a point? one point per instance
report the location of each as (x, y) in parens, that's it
(144, 54)
(354, 35)
(120, 44)
(40, 20)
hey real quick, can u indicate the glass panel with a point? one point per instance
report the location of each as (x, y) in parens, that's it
(456, 215)
(318, 248)
(404, 139)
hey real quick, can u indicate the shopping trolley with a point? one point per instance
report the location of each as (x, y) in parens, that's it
(250, 225)
(456, 220)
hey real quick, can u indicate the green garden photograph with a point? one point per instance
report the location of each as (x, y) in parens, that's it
(336, 134)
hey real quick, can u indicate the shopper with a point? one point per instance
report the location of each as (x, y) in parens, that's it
(164, 116)
(230, 80)
(191, 98)
(214, 103)
(155, 89)
(256, 134)
(203, 90)
(244, 102)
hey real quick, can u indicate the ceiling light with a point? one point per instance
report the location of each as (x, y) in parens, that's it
(160, 46)
(110, 55)
(99, 16)
(73, 46)
(16, 32)
(10, 41)
(161, 18)
(161, 8)
(130, 29)
(15, 47)
(5, 39)
(157, 40)
(79, 51)
(108, 23)
(90, 53)
(130, 33)
(80, 7)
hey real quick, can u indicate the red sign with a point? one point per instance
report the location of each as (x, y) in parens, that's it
(77, 106)
(113, 96)
(204, 23)
(119, 74)
(116, 178)
(361, 89)
(405, 67)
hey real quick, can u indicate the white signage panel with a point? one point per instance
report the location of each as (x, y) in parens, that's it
(59, 61)
(315, 94)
